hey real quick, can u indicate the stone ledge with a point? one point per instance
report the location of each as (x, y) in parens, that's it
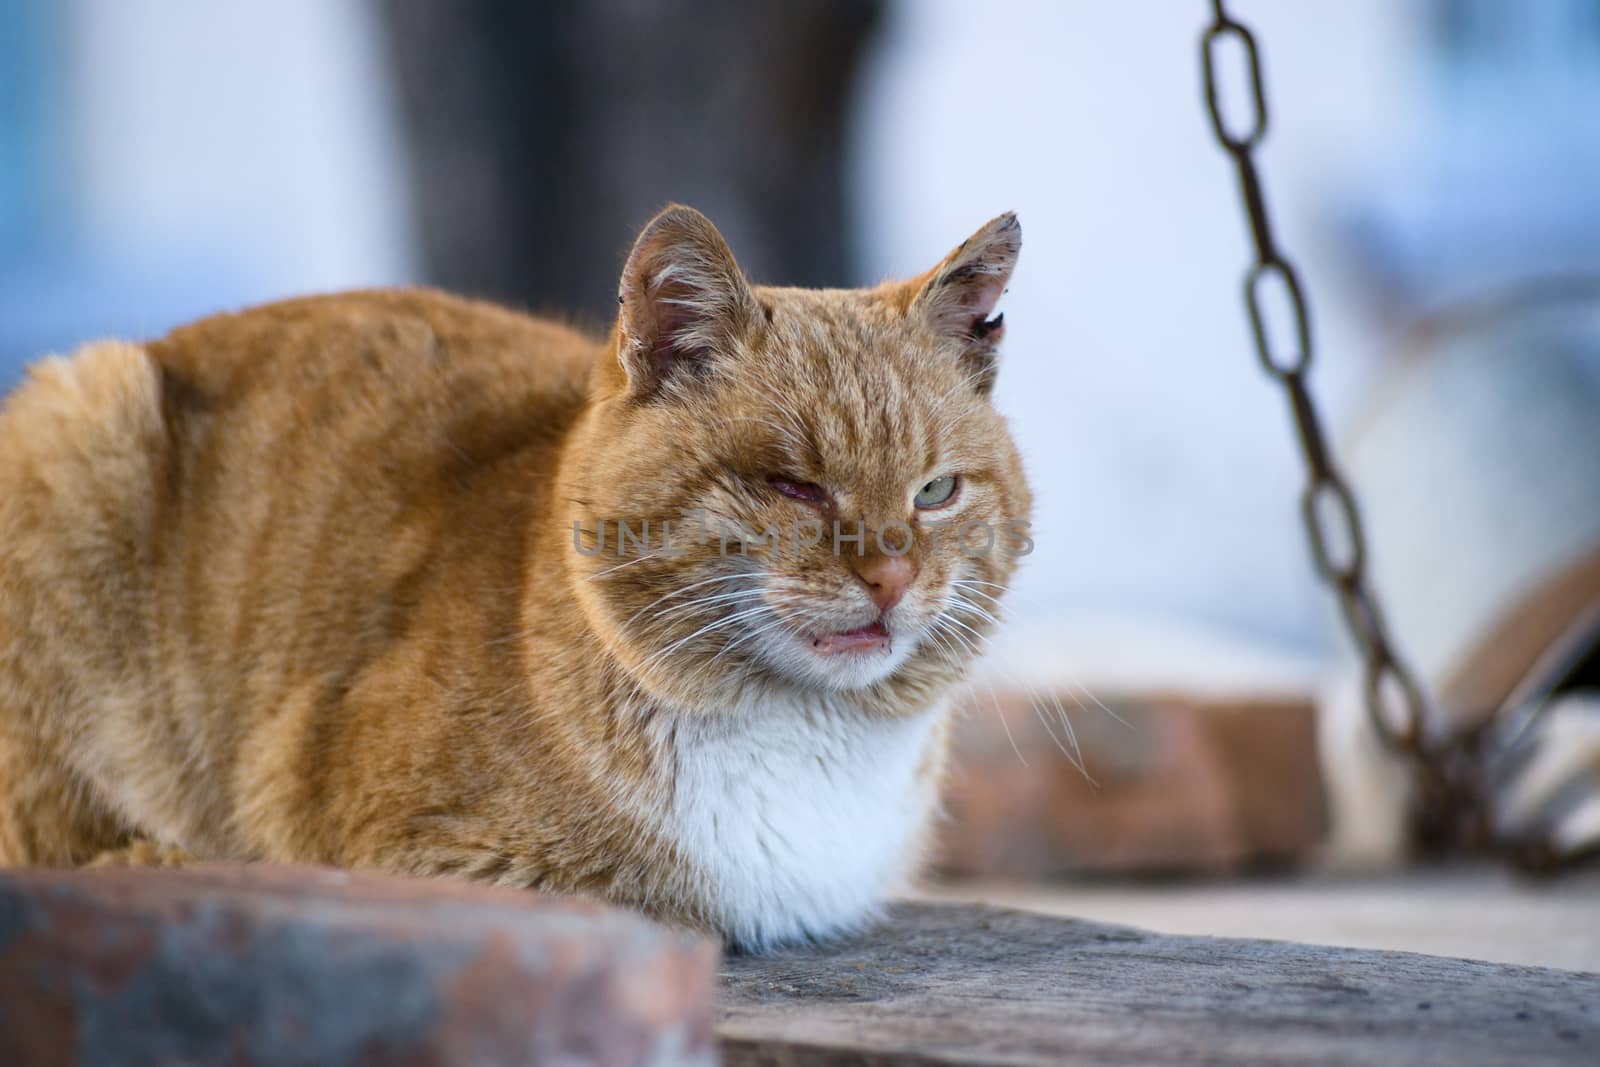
(287, 965)
(970, 984)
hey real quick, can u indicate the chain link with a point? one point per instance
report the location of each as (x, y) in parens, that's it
(1447, 767)
(1347, 576)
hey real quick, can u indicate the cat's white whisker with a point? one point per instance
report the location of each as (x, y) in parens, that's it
(1039, 702)
(680, 590)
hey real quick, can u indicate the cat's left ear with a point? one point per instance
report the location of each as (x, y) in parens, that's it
(683, 302)
(959, 296)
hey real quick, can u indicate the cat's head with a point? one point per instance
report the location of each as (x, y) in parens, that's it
(832, 501)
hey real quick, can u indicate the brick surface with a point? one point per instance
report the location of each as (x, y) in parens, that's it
(1168, 785)
(291, 965)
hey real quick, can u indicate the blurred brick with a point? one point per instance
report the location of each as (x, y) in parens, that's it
(237, 964)
(1178, 785)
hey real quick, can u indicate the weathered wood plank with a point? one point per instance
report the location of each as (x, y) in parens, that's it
(970, 984)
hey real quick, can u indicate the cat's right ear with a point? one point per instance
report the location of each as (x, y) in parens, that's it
(683, 301)
(958, 297)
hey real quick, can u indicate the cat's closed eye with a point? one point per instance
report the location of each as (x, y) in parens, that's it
(810, 492)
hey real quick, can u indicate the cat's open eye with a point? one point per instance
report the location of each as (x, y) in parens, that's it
(810, 492)
(938, 493)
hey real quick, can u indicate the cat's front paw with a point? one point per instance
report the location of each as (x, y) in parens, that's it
(143, 854)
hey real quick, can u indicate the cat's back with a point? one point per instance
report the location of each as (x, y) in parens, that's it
(332, 393)
(319, 434)
(294, 454)
(383, 354)
(339, 454)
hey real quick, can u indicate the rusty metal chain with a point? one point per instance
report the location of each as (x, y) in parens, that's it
(1449, 767)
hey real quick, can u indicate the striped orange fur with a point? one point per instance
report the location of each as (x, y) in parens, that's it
(318, 581)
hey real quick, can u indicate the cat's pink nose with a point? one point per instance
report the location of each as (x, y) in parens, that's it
(886, 577)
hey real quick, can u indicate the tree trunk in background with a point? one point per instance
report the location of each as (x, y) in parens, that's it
(543, 135)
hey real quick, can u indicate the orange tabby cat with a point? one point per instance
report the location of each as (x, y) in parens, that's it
(338, 580)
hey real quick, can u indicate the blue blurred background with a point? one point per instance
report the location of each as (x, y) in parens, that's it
(163, 160)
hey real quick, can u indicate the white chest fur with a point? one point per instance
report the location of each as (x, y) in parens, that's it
(798, 818)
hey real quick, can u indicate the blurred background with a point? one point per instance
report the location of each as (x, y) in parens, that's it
(1431, 167)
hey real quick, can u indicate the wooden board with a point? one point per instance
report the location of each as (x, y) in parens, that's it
(971, 984)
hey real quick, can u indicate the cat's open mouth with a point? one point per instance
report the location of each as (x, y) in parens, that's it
(874, 637)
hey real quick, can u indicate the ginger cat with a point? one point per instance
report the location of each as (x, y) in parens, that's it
(324, 581)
